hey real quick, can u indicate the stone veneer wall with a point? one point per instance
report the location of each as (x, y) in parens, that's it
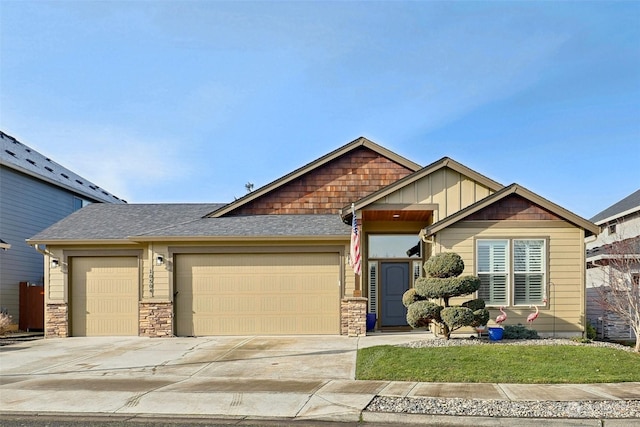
(353, 316)
(156, 319)
(56, 321)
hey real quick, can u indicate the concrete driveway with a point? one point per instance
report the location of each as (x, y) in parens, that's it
(274, 357)
(275, 377)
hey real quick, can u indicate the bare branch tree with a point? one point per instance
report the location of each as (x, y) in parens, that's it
(619, 293)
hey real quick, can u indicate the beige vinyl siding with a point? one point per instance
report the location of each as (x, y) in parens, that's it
(104, 296)
(257, 293)
(450, 190)
(160, 274)
(565, 268)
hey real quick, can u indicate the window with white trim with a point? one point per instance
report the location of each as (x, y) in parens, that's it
(496, 259)
(528, 271)
(493, 271)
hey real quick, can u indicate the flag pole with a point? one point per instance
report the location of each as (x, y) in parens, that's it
(357, 292)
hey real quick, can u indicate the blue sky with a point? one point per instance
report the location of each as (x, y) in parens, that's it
(186, 101)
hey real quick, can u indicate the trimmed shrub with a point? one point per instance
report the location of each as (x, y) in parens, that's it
(421, 313)
(519, 332)
(456, 317)
(480, 317)
(410, 297)
(448, 287)
(443, 265)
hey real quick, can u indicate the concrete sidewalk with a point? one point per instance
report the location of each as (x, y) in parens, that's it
(302, 379)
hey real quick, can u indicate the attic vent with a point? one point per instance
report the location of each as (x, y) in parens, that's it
(105, 193)
(79, 182)
(66, 176)
(93, 187)
(31, 161)
(28, 150)
(116, 198)
(48, 168)
(47, 159)
(11, 153)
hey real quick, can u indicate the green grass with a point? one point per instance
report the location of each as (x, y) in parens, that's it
(527, 364)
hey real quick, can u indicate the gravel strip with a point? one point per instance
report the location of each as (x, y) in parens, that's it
(511, 409)
(457, 342)
(601, 409)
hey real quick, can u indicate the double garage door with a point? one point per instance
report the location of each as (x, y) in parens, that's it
(214, 294)
(263, 293)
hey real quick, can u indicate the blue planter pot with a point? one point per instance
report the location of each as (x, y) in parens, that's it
(371, 321)
(495, 334)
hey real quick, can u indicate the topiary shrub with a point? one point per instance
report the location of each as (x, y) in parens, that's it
(456, 317)
(421, 313)
(444, 265)
(410, 297)
(443, 284)
(519, 332)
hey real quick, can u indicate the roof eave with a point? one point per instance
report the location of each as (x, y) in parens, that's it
(76, 242)
(506, 191)
(143, 239)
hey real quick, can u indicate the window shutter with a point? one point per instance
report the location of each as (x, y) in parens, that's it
(529, 271)
(373, 286)
(492, 270)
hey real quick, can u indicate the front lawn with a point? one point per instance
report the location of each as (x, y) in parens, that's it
(527, 364)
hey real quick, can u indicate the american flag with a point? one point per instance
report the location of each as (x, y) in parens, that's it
(354, 258)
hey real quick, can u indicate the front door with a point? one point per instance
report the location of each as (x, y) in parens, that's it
(394, 283)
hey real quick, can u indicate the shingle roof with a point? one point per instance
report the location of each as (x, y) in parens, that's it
(629, 203)
(113, 222)
(16, 155)
(141, 222)
(258, 226)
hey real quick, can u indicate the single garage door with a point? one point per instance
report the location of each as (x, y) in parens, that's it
(257, 294)
(104, 296)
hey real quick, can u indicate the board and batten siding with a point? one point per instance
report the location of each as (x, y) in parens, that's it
(565, 268)
(27, 206)
(449, 189)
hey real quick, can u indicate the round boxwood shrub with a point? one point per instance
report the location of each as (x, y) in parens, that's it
(442, 265)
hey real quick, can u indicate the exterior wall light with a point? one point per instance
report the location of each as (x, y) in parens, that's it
(159, 259)
(55, 263)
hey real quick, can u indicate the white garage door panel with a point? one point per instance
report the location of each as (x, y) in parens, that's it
(236, 294)
(104, 296)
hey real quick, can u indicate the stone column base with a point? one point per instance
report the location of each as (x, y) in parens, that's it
(353, 316)
(156, 319)
(56, 320)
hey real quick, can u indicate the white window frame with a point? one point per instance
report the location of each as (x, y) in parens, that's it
(511, 270)
(493, 271)
(531, 269)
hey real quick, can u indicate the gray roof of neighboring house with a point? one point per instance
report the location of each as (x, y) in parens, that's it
(20, 157)
(117, 222)
(627, 205)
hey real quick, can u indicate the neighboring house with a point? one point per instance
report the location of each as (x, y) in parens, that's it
(35, 192)
(619, 235)
(276, 261)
